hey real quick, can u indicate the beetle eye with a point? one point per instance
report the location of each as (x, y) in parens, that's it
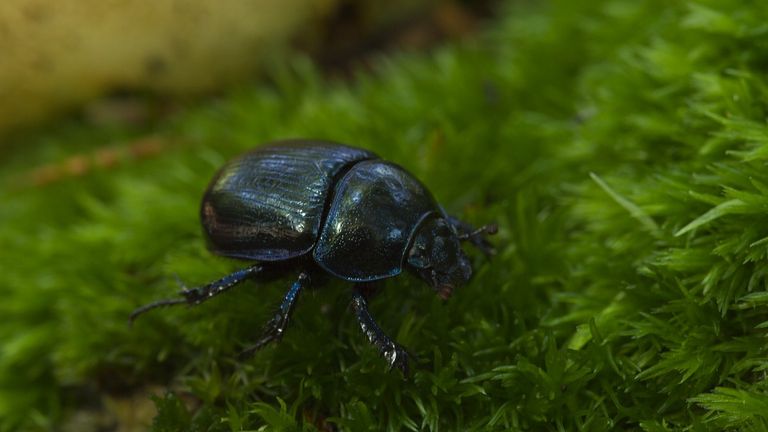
(442, 229)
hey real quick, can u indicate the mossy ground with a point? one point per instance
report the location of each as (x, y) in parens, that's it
(621, 146)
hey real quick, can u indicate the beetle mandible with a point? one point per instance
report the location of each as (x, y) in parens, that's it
(318, 206)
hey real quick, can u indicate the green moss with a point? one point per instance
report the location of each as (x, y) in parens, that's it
(621, 146)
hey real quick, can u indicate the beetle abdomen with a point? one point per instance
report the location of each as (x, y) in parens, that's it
(376, 208)
(268, 203)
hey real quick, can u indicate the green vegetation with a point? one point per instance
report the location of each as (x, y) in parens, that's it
(620, 145)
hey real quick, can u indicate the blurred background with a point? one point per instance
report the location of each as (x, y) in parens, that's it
(128, 61)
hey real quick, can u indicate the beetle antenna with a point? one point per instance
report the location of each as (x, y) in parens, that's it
(480, 242)
(489, 229)
(154, 305)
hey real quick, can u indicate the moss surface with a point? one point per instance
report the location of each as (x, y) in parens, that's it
(621, 146)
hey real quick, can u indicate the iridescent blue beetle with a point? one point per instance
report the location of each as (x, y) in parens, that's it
(320, 206)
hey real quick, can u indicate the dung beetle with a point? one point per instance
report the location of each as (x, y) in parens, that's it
(321, 207)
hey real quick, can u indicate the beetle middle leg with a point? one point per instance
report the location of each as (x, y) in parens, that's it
(276, 326)
(195, 296)
(395, 355)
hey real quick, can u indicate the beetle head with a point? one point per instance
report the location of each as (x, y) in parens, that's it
(436, 256)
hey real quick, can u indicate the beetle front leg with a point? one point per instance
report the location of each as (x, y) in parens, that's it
(275, 327)
(195, 296)
(395, 355)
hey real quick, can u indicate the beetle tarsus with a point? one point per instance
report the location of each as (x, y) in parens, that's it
(394, 354)
(276, 326)
(154, 305)
(195, 296)
(397, 357)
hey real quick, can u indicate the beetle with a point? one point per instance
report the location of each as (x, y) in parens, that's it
(323, 207)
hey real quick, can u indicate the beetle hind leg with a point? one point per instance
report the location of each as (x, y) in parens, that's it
(276, 326)
(195, 296)
(394, 354)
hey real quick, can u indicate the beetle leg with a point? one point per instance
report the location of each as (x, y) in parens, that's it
(195, 296)
(475, 235)
(275, 327)
(395, 355)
